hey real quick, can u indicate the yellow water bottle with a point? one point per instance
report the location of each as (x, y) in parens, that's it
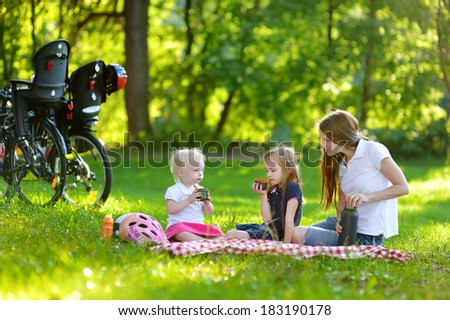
(107, 227)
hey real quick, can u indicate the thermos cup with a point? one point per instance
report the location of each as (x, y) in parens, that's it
(204, 194)
(261, 182)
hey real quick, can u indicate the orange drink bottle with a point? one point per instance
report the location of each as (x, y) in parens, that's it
(107, 227)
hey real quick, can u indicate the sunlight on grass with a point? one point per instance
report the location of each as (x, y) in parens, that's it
(57, 252)
(431, 190)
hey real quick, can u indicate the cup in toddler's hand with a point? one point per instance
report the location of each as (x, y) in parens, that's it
(204, 192)
(261, 182)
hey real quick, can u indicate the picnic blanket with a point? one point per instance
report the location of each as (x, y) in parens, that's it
(270, 247)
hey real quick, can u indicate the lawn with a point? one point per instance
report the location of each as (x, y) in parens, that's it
(57, 253)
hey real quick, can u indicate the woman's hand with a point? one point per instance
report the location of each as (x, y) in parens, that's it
(338, 226)
(354, 199)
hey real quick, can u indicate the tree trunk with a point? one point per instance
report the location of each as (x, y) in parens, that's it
(189, 43)
(443, 34)
(137, 66)
(367, 94)
(331, 7)
(224, 114)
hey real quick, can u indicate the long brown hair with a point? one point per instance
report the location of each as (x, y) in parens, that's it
(285, 157)
(343, 129)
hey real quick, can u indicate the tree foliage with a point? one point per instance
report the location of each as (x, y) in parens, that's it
(258, 69)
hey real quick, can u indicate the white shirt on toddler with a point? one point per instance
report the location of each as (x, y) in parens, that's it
(192, 213)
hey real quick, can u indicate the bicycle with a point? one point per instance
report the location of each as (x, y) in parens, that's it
(48, 138)
(34, 166)
(89, 171)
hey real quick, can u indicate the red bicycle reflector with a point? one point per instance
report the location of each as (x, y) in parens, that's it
(49, 66)
(69, 114)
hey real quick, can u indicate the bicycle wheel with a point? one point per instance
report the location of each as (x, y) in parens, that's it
(89, 171)
(37, 166)
(3, 182)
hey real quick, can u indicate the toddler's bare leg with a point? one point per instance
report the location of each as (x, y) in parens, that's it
(187, 236)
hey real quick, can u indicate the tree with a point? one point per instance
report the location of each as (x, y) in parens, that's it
(241, 69)
(135, 14)
(443, 32)
(137, 64)
(368, 65)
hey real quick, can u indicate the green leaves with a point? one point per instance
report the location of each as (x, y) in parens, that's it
(239, 70)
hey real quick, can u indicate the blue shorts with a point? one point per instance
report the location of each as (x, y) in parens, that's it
(324, 234)
(256, 230)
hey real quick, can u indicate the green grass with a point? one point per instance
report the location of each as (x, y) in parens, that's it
(57, 253)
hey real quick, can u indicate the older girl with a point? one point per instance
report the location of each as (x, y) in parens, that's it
(280, 203)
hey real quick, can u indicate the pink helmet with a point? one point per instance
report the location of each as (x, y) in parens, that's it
(141, 229)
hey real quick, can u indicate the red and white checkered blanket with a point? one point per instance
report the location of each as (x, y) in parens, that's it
(192, 248)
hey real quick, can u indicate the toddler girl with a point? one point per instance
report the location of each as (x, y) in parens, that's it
(186, 211)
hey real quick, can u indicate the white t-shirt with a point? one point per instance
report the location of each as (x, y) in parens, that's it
(362, 174)
(192, 213)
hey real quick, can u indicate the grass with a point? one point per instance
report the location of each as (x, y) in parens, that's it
(57, 253)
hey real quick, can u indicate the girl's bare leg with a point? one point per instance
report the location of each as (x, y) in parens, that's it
(299, 235)
(237, 234)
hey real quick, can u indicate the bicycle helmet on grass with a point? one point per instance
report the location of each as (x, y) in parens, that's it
(141, 228)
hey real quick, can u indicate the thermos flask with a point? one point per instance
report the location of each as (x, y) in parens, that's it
(349, 224)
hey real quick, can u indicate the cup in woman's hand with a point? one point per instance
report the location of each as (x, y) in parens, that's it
(261, 183)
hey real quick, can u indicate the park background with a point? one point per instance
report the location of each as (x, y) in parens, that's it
(234, 78)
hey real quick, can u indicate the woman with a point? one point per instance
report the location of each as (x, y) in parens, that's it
(356, 173)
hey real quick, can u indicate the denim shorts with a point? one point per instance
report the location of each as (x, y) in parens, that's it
(324, 234)
(256, 230)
